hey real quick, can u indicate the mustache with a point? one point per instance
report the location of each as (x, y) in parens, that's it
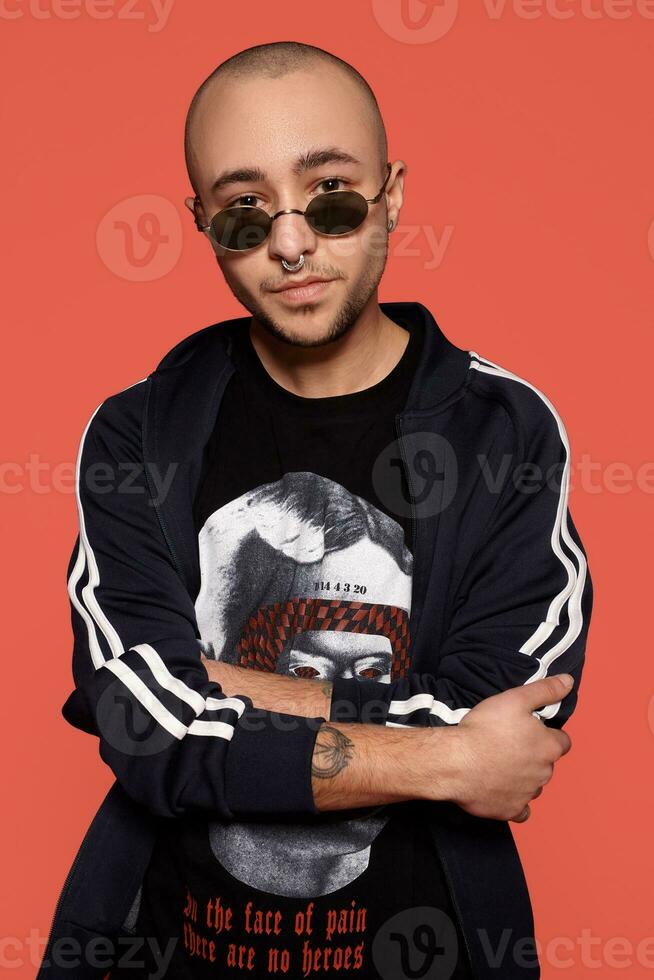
(307, 270)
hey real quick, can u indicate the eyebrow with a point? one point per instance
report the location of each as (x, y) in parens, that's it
(305, 162)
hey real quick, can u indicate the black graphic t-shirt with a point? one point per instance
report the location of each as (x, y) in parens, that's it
(306, 572)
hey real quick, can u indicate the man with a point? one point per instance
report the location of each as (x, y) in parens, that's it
(329, 636)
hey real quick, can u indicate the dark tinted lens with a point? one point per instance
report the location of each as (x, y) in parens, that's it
(241, 228)
(337, 212)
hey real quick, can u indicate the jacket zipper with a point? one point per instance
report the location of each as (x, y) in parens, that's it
(407, 473)
(64, 889)
(412, 526)
(455, 904)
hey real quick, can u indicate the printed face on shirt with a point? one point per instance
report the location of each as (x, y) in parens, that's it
(267, 125)
(301, 577)
(287, 564)
(326, 654)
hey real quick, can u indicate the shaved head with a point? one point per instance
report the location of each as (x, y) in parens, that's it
(273, 128)
(276, 60)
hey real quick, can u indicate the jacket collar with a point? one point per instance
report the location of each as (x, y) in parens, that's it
(184, 396)
(442, 367)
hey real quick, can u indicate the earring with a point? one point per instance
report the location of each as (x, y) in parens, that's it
(391, 225)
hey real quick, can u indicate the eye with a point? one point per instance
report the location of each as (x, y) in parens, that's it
(370, 672)
(245, 200)
(322, 189)
(304, 670)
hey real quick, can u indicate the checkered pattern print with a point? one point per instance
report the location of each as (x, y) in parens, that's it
(267, 632)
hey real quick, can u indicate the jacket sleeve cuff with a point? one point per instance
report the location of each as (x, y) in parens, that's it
(268, 765)
(363, 701)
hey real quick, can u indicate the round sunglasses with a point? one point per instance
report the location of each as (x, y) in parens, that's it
(333, 213)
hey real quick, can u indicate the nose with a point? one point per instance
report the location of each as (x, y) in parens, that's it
(290, 237)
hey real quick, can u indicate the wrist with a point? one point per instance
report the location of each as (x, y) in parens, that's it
(442, 750)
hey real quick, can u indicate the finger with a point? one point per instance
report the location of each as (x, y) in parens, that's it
(545, 691)
(564, 740)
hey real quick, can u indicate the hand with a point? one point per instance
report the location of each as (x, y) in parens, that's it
(504, 755)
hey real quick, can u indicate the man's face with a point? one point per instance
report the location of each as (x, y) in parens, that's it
(268, 124)
(328, 654)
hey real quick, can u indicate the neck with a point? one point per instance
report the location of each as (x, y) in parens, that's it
(362, 357)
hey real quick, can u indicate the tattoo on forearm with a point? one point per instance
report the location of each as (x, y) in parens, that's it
(333, 750)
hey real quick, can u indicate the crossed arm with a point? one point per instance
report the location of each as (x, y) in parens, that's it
(353, 765)
(492, 763)
(179, 742)
(308, 698)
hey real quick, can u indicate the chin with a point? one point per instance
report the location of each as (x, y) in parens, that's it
(306, 326)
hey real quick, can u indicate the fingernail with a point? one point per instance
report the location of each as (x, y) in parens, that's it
(567, 679)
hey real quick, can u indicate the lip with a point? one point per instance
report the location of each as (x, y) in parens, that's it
(309, 289)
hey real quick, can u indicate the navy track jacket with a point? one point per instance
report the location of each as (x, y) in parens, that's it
(501, 596)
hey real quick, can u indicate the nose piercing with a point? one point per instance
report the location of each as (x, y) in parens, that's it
(294, 268)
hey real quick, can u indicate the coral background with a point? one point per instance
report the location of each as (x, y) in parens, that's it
(528, 138)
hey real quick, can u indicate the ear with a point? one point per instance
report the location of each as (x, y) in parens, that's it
(395, 192)
(195, 207)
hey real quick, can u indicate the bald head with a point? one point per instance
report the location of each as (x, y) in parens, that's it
(273, 61)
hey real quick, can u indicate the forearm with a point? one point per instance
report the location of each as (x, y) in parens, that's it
(273, 692)
(357, 765)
